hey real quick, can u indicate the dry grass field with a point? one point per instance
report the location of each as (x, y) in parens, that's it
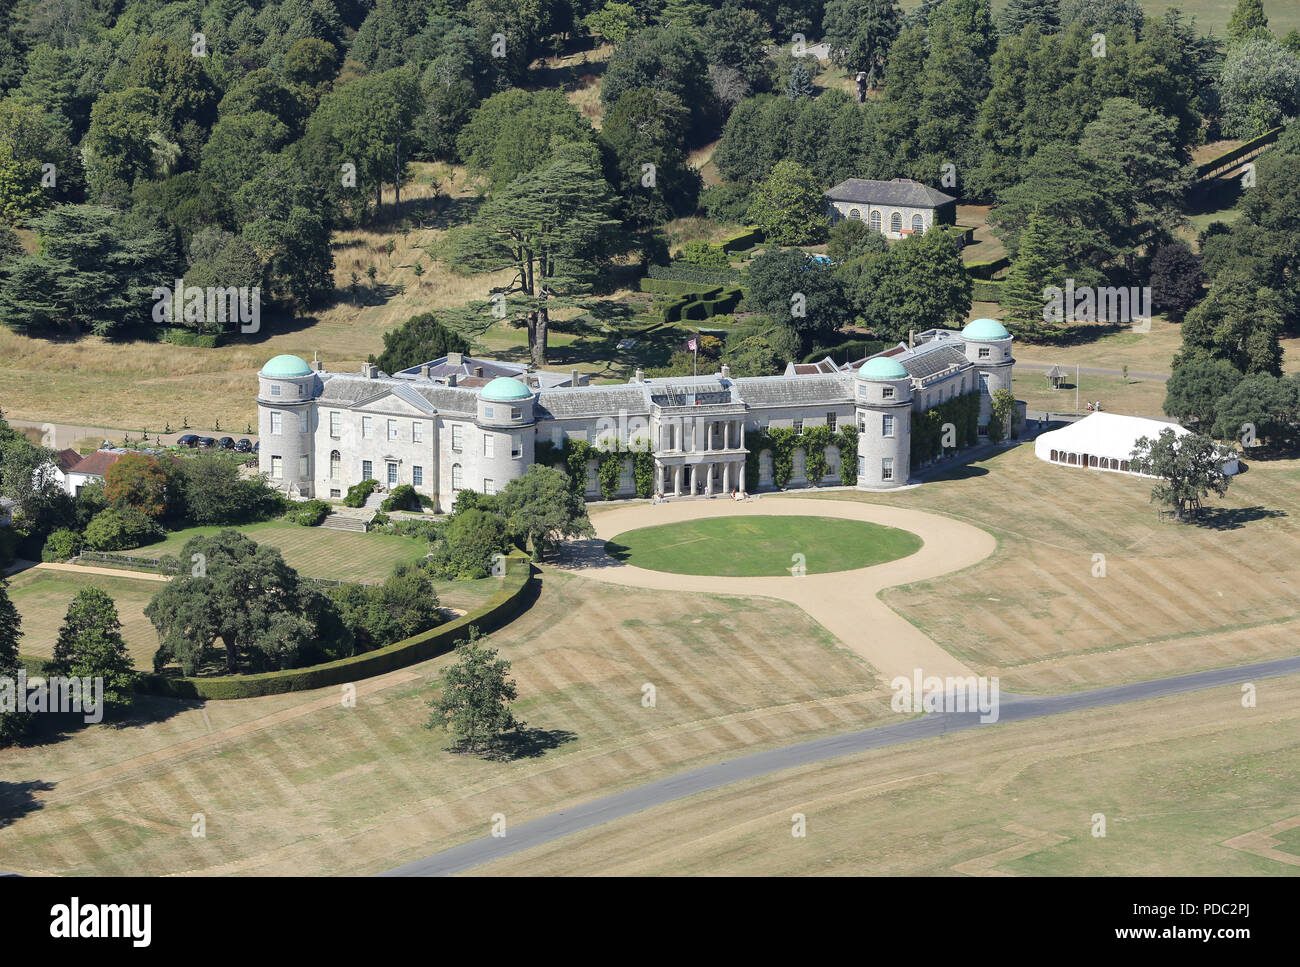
(1181, 782)
(1131, 397)
(1174, 597)
(296, 784)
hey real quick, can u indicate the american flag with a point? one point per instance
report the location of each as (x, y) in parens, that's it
(690, 344)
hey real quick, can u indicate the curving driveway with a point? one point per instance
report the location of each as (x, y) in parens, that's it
(846, 603)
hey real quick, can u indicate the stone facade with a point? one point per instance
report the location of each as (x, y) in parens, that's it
(323, 432)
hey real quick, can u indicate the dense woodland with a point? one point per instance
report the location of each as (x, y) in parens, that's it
(224, 142)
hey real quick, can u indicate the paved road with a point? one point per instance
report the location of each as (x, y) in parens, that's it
(706, 778)
(60, 435)
(1089, 370)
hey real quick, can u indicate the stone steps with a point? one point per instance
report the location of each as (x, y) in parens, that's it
(335, 522)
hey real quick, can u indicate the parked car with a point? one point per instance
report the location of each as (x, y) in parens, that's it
(243, 446)
(256, 445)
(226, 443)
(188, 440)
(206, 443)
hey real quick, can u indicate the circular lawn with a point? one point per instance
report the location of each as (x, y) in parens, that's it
(761, 546)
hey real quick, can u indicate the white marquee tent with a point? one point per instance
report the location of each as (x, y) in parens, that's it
(1103, 441)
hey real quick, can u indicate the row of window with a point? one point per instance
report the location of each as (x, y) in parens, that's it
(275, 389)
(277, 423)
(886, 467)
(895, 221)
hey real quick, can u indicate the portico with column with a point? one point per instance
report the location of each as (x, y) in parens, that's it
(701, 449)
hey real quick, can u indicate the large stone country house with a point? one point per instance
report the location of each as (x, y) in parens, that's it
(322, 432)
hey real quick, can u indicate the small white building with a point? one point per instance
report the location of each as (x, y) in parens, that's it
(895, 209)
(1104, 441)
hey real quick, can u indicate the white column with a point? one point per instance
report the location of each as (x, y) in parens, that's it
(708, 479)
(659, 478)
(708, 437)
(726, 477)
(726, 435)
(677, 480)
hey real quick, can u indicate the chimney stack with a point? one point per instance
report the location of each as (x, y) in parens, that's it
(451, 379)
(424, 371)
(454, 359)
(317, 365)
(478, 370)
(726, 371)
(640, 376)
(573, 377)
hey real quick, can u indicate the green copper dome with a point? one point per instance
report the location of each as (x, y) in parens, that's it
(503, 389)
(985, 329)
(882, 367)
(285, 366)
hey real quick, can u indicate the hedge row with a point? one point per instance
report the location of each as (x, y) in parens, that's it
(987, 290)
(672, 287)
(986, 270)
(492, 614)
(1245, 148)
(686, 272)
(183, 337)
(702, 305)
(742, 241)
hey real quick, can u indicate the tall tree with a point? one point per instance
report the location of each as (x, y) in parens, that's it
(860, 33)
(13, 724)
(1247, 19)
(916, 284)
(90, 645)
(550, 226)
(233, 589)
(1189, 468)
(1194, 389)
(1237, 322)
(788, 206)
(541, 509)
(475, 697)
(420, 339)
(95, 270)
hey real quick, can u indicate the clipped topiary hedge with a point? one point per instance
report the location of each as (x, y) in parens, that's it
(742, 241)
(986, 270)
(671, 287)
(497, 611)
(989, 290)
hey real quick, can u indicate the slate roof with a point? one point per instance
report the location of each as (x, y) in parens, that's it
(348, 390)
(930, 359)
(794, 390)
(568, 403)
(901, 192)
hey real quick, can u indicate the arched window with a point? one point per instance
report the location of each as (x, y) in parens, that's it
(855, 213)
(335, 459)
(1055, 456)
(875, 221)
(896, 223)
(1123, 465)
(456, 482)
(918, 224)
